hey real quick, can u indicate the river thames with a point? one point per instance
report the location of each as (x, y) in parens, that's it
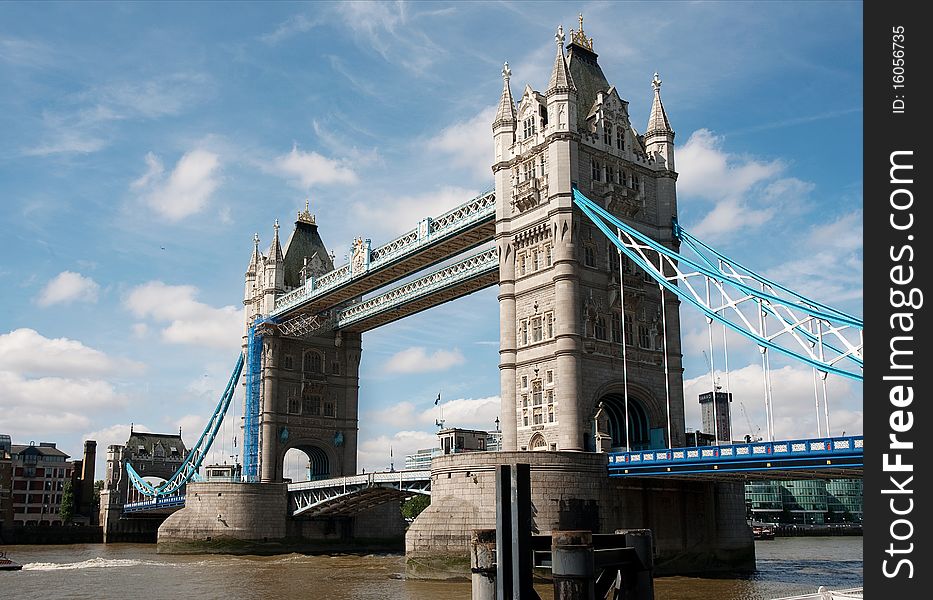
(786, 566)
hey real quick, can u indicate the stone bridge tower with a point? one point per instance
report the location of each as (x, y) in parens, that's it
(566, 299)
(308, 385)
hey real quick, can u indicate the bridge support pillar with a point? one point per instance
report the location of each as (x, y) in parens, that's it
(696, 526)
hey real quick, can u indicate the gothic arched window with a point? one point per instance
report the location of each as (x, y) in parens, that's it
(314, 362)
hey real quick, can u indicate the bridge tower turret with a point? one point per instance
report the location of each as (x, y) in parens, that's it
(503, 131)
(273, 282)
(563, 316)
(254, 272)
(308, 384)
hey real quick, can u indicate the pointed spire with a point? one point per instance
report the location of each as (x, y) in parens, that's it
(254, 260)
(578, 38)
(275, 249)
(306, 216)
(506, 112)
(560, 75)
(657, 122)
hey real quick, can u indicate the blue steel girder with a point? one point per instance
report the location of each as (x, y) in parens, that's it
(189, 467)
(433, 241)
(350, 495)
(825, 338)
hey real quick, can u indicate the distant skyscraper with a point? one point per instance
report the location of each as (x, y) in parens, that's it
(721, 415)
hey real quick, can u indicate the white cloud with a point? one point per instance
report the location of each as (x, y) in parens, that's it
(392, 216)
(57, 393)
(310, 168)
(189, 321)
(69, 287)
(140, 330)
(417, 360)
(746, 192)
(392, 32)
(27, 352)
(34, 424)
(467, 413)
(53, 386)
(86, 121)
(22, 52)
(794, 408)
(373, 453)
(829, 269)
(469, 143)
(291, 26)
(186, 190)
(191, 425)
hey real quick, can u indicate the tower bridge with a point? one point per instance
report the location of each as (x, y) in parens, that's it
(592, 267)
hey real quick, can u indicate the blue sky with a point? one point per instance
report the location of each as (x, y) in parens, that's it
(143, 144)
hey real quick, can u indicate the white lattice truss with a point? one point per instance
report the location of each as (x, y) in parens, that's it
(772, 315)
(429, 231)
(307, 324)
(350, 495)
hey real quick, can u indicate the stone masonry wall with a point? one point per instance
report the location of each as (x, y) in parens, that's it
(697, 525)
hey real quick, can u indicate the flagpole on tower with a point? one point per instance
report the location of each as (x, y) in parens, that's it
(440, 412)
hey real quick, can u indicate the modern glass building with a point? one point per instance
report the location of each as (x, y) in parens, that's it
(806, 502)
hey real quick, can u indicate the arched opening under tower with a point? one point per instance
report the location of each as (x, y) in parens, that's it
(637, 435)
(305, 463)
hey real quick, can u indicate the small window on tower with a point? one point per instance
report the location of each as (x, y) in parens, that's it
(620, 139)
(528, 126)
(589, 255)
(536, 329)
(597, 170)
(644, 337)
(601, 328)
(607, 134)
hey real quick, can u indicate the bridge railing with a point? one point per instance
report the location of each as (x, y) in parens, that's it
(472, 266)
(815, 447)
(155, 503)
(366, 479)
(427, 232)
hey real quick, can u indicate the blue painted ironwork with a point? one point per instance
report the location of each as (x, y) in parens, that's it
(189, 467)
(155, 503)
(816, 453)
(251, 405)
(430, 231)
(745, 295)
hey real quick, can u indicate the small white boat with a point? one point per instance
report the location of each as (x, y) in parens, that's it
(8, 565)
(823, 593)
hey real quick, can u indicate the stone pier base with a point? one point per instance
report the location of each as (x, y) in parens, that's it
(697, 526)
(253, 518)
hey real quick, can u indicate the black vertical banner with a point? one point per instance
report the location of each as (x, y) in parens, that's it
(897, 558)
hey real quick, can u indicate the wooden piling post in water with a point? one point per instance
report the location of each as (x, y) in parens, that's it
(572, 565)
(483, 563)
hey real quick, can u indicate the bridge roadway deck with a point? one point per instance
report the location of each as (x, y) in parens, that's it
(821, 458)
(434, 241)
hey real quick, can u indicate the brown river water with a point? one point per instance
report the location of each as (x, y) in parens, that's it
(786, 566)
